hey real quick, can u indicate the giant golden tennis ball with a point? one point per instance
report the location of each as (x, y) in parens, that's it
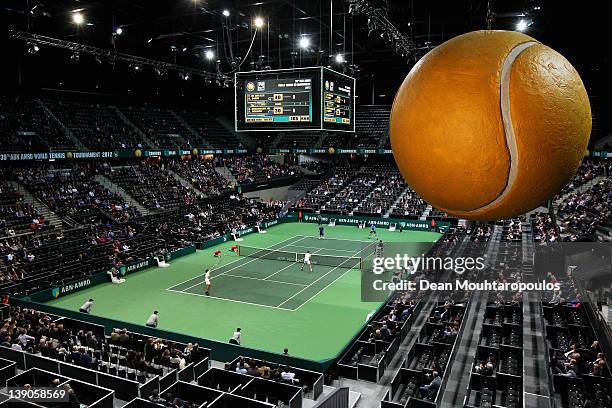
(490, 124)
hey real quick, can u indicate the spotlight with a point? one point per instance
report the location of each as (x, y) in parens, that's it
(522, 25)
(259, 22)
(209, 54)
(78, 18)
(74, 57)
(119, 31)
(136, 67)
(304, 43)
(226, 13)
(339, 58)
(32, 48)
(161, 73)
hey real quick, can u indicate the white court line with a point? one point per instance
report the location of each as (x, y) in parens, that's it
(239, 266)
(319, 292)
(322, 276)
(333, 239)
(266, 280)
(280, 270)
(328, 249)
(229, 300)
(233, 262)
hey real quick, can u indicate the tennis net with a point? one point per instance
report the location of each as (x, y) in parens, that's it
(349, 262)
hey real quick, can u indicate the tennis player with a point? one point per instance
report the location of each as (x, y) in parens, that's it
(307, 261)
(380, 249)
(372, 230)
(207, 282)
(321, 232)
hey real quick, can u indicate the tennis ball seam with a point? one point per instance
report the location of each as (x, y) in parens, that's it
(506, 114)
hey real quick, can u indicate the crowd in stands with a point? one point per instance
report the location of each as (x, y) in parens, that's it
(577, 361)
(36, 333)
(384, 195)
(208, 220)
(345, 200)
(582, 214)
(72, 191)
(262, 369)
(544, 228)
(17, 216)
(588, 170)
(257, 168)
(151, 185)
(322, 193)
(202, 175)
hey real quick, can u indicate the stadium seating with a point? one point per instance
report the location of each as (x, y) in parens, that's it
(17, 216)
(202, 175)
(577, 363)
(73, 192)
(372, 125)
(150, 185)
(211, 131)
(162, 127)
(97, 126)
(257, 169)
(581, 216)
(26, 126)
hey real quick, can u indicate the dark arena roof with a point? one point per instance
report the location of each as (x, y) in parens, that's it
(200, 207)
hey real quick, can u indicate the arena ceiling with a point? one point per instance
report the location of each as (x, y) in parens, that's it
(182, 31)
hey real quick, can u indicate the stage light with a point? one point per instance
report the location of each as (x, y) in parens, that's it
(32, 48)
(339, 58)
(78, 18)
(522, 25)
(136, 68)
(226, 13)
(304, 43)
(161, 73)
(74, 57)
(119, 31)
(209, 54)
(259, 22)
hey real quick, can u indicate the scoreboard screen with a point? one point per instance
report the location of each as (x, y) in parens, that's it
(294, 99)
(338, 101)
(278, 100)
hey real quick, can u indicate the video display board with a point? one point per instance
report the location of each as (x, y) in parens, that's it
(338, 101)
(298, 99)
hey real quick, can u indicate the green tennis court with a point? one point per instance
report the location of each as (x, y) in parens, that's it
(263, 290)
(276, 275)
